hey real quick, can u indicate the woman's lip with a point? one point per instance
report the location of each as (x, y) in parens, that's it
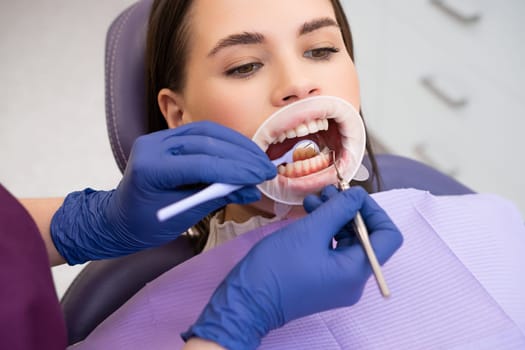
(294, 125)
(309, 184)
(315, 182)
(275, 151)
(269, 134)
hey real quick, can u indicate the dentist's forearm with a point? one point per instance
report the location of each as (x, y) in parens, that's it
(42, 210)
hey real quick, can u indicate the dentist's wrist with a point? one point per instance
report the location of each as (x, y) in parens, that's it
(80, 229)
(234, 318)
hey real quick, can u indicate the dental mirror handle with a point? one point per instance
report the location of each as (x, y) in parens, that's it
(213, 191)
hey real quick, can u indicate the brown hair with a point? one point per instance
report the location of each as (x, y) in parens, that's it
(167, 54)
(340, 16)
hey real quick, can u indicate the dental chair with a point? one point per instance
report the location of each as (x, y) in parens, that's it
(103, 286)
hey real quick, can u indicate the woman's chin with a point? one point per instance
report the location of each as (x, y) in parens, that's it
(267, 207)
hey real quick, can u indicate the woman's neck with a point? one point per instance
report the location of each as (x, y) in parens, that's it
(242, 213)
(265, 208)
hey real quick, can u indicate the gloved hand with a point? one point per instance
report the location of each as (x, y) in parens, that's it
(295, 272)
(161, 169)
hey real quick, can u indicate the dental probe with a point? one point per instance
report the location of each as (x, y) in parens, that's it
(362, 235)
(218, 190)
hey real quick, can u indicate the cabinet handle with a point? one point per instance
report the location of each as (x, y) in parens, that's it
(459, 14)
(420, 151)
(448, 97)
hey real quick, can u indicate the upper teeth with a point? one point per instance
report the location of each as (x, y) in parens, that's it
(303, 129)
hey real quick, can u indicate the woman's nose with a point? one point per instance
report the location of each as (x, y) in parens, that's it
(294, 85)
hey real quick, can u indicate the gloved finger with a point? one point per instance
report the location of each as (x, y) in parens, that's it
(230, 158)
(375, 217)
(244, 195)
(334, 214)
(184, 170)
(346, 236)
(346, 242)
(212, 130)
(247, 194)
(328, 192)
(200, 144)
(312, 201)
(384, 236)
(385, 243)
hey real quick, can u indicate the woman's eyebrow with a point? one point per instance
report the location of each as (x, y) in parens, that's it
(245, 38)
(317, 23)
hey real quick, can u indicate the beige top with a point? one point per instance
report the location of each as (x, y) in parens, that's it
(222, 232)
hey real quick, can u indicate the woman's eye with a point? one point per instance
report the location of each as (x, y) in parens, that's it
(322, 53)
(244, 70)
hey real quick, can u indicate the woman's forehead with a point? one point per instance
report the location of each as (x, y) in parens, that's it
(212, 20)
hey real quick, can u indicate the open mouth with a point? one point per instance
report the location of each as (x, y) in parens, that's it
(337, 129)
(325, 134)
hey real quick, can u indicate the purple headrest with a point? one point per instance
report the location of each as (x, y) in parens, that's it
(125, 79)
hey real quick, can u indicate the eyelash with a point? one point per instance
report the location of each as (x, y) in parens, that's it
(328, 52)
(235, 72)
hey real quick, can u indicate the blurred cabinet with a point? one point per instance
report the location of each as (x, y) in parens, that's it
(441, 82)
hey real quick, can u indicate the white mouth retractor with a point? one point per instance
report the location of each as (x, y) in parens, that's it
(291, 191)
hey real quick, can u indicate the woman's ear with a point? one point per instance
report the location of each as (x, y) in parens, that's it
(171, 106)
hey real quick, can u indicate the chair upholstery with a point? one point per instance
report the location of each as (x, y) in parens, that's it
(125, 79)
(401, 172)
(103, 286)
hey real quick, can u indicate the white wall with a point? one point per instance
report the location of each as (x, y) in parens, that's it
(445, 89)
(52, 127)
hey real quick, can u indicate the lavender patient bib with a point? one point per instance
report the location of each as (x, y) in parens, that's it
(452, 285)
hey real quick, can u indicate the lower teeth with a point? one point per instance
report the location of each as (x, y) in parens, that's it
(306, 166)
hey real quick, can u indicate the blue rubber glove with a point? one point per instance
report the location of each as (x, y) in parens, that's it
(162, 168)
(296, 272)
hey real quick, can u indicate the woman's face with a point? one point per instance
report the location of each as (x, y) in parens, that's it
(247, 59)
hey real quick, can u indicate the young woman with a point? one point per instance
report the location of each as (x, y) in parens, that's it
(238, 68)
(92, 224)
(235, 63)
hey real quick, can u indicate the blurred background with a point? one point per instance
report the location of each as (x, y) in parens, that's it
(441, 83)
(53, 135)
